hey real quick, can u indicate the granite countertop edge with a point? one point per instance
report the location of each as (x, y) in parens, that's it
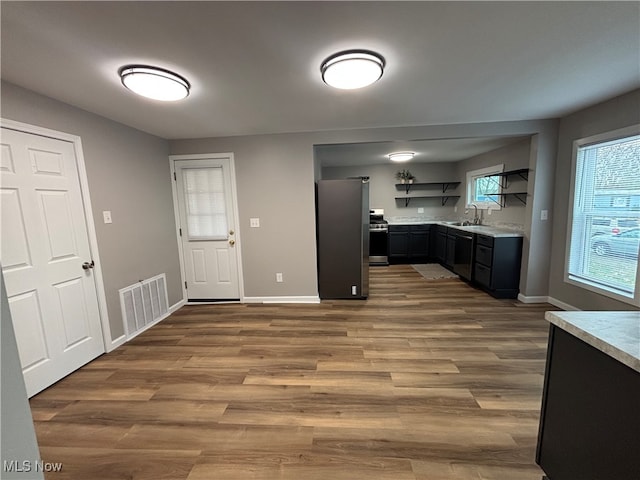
(481, 229)
(616, 334)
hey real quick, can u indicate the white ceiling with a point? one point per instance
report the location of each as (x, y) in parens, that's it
(254, 66)
(427, 151)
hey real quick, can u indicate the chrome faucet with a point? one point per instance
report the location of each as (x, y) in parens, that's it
(476, 219)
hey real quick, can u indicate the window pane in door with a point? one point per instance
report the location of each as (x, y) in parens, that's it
(205, 203)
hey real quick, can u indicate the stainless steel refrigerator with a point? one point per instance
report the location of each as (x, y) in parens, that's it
(342, 221)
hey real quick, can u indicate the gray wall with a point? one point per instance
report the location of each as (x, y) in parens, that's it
(620, 112)
(274, 179)
(18, 437)
(382, 191)
(513, 157)
(128, 173)
(276, 175)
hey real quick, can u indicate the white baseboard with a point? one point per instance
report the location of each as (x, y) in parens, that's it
(177, 306)
(533, 298)
(564, 306)
(116, 343)
(300, 299)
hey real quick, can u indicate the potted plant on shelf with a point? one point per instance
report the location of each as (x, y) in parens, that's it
(405, 176)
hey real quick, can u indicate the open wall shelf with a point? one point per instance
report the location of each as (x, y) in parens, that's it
(444, 186)
(444, 198)
(440, 187)
(523, 173)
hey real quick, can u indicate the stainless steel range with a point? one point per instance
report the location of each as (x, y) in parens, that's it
(378, 237)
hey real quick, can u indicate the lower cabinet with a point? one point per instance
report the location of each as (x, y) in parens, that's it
(589, 420)
(409, 243)
(450, 255)
(497, 265)
(439, 243)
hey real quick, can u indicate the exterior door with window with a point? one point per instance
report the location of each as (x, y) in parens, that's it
(207, 229)
(46, 258)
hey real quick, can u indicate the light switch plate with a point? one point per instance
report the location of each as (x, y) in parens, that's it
(544, 214)
(254, 222)
(106, 215)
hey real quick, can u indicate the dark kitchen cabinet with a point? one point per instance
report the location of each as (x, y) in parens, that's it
(497, 265)
(439, 242)
(450, 256)
(408, 243)
(589, 420)
(398, 243)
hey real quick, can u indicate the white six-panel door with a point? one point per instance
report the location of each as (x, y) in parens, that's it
(208, 230)
(44, 245)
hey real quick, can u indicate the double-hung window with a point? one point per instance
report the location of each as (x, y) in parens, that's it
(604, 218)
(484, 187)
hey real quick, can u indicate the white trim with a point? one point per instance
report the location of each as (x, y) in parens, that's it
(236, 214)
(575, 280)
(300, 299)
(177, 306)
(172, 309)
(553, 301)
(533, 298)
(471, 175)
(121, 340)
(564, 306)
(108, 342)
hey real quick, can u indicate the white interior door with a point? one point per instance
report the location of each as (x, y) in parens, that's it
(207, 229)
(44, 247)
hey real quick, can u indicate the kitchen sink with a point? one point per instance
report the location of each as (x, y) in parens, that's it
(461, 224)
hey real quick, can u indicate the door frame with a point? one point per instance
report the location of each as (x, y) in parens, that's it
(75, 140)
(234, 212)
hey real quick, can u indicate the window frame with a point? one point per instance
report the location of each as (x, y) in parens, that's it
(483, 172)
(569, 278)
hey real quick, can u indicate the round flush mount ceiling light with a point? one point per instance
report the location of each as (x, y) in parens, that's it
(352, 69)
(401, 156)
(153, 82)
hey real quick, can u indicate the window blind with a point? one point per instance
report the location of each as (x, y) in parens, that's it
(606, 205)
(205, 203)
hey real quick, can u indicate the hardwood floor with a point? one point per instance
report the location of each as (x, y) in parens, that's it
(425, 380)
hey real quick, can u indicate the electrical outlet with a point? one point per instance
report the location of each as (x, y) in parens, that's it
(354, 289)
(420, 210)
(106, 215)
(455, 209)
(254, 222)
(279, 277)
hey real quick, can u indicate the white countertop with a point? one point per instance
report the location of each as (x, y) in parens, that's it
(615, 333)
(488, 230)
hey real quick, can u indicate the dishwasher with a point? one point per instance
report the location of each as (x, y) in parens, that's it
(463, 259)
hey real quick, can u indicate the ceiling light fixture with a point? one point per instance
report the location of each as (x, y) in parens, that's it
(352, 69)
(401, 156)
(153, 82)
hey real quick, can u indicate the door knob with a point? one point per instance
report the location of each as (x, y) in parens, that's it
(232, 242)
(88, 265)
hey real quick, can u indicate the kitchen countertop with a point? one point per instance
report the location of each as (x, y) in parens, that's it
(616, 334)
(481, 229)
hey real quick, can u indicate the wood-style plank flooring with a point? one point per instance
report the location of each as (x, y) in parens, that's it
(425, 380)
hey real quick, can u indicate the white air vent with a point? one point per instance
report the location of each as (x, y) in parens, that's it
(143, 304)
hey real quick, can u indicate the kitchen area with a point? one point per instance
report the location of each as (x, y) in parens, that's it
(428, 219)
